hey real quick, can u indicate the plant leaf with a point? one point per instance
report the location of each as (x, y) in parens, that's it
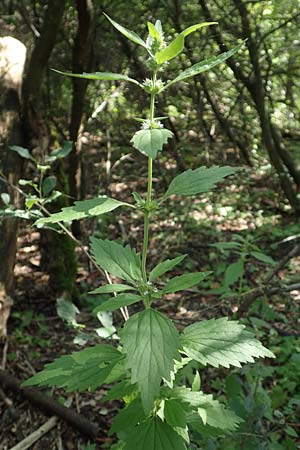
(164, 267)
(110, 288)
(49, 184)
(185, 281)
(176, 46)
(150, 342)
(23, 152)
(150, 142)
(154, 434)
(263, 258)
(175, 413)
(127, 419)
(131, 35)
(196, 181)
(220, 342)
(120, 390)
(83, 209)
(80, 371)
(60, 153)
(153, 31)
(67, 311)
(233, 273)
(116, 259)
(118, 302)
(203, 66)
(104, 76)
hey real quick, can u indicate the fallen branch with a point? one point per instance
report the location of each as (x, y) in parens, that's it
(36, 435)
(50, 405)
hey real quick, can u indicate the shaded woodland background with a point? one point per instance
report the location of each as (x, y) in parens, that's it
(245, 113)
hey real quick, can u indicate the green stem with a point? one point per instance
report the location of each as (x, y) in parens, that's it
(149, 192)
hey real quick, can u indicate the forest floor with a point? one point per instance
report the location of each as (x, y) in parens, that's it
(250, 210)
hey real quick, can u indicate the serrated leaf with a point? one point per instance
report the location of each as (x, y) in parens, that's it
(177, 45)
(80, 371)
(150, 342)
(185, 281)
(110, 288)
(164, 267)
(196, 181)
(220, 342)
(154, 434)
(150, 142)
(120, 301)
(175, 413)
(127, 419)
(116, 259)
(49, 184)
(203, 66)
(233, 273)
(23, 152)
(104, 76)
(131, 35)
(214, 414)
(263, 258)
(60, 152)
(67, 311)
(83, 209)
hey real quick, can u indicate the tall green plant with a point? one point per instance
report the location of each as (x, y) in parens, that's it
(157, 413)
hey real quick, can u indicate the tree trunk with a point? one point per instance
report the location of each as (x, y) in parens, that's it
(82, 56)
(12, 59)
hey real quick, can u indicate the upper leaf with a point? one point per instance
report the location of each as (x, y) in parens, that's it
(83, 209)
(131, 35)
(105, 76)
(185, 281)
(193, 182)
(116, 259)
(150, 141)
(117, 302)
(164, 267)
(203, 66)
(110, 288)
(23, 152)
(60, 153)
(150, 342)
(79, 371)
(220, 342)
(154, 434)
(176, 46)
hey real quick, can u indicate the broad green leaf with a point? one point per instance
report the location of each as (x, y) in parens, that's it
(120, 390)
(116, 259)
(223, 246)
(104, 76)
(175, 413)
(210, 411)
(150, 342)
(233, 273)
(185, 281)
(150, 142)
(49, 184)
(60, 153)
(109, 288)
(67, 311)
(117, 302)
(80, 371)
(154, 434)
(83, 209)
(23, 152)
(203, 66)
(176, 46)
(164, 267)
(220, 342)
(127, 419)
(131, 35)
(196, 181)
(263, 258)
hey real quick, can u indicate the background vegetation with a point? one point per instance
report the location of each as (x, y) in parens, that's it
(243, 113)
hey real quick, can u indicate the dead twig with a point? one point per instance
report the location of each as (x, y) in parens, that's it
(36, 435)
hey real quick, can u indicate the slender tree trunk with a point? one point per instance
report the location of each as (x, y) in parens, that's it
(12, 59)
(82, 59)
